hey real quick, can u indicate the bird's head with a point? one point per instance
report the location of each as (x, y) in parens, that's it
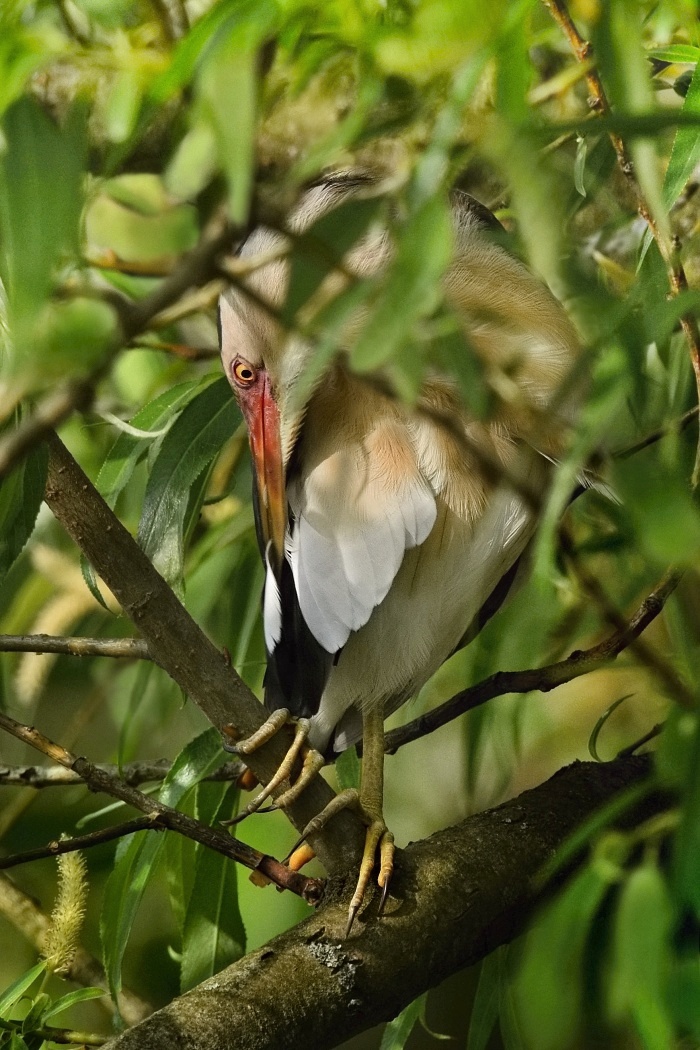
(265, 363)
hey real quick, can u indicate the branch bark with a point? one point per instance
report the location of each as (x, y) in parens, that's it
(132, 773)
(455, 898)
(181, 648)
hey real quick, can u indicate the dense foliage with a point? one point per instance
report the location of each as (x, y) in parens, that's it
(130, 130)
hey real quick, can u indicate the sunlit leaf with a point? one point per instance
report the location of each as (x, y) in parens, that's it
(17, 989)
(486, 1003)
(411, 289)
(686, 146)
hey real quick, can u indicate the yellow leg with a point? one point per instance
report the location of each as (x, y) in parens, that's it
(371, 808)
(369, 803)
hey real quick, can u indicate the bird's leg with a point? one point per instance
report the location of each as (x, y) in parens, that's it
(368, 801)
(371, 809)
(313, 761)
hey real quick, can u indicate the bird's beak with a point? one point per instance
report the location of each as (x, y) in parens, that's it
(263, 419)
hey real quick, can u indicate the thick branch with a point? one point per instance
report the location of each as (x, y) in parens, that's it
(165, 816)
(537, 679)
(455, 897)
(180, 647)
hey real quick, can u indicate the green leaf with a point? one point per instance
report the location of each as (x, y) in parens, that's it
(187, 449)
(661, 509)
(486, 1003)
(21, 493)
(137, 855)
(640, 956)
(17, 989)
(323, 246)
(685, 152)
(80, 995)
(549, 986)
(396, 1033)
(411, 289)
(230, 72)
(213, 933)
(40, 205)
(347, 769)
(675, 53)
(686, 868)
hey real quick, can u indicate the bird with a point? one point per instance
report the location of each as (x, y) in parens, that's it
(390, 531)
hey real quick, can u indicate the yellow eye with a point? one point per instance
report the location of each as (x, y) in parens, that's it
(243, 373)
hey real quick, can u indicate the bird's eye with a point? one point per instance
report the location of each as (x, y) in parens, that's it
(243, 373)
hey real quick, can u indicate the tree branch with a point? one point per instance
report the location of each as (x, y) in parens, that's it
(97, 780)
(538, 679)
(181, 648)
(78, 842)
(132, 773)
(455, 898)
(120, 648)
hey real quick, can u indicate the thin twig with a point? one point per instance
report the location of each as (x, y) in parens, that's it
(538, 679)
(119, 648)
(78, 842)
(132, 773)
(98, 780)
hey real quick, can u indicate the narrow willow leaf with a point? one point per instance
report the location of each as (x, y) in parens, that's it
(137, 856)
(411, 289)
(396, 1033)
(40, 203)
(187, 449)
(213, 933)
(549, 985)
(324, 245)
(127, 451)
(80, 995)
(21, 493)
(638, 973)
(685, 152)
(17, 989)
(347, 769)
(687, 845)
(230, 71)
(486, 1003)
(675, 53)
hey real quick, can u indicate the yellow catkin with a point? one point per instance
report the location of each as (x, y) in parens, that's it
(61, 939)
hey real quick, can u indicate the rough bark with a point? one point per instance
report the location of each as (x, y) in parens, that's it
(456, 896)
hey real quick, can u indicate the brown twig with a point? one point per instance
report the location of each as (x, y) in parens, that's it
(119, 648)
(538, 679)
(98, 780)
(78, 842)
(133, 773)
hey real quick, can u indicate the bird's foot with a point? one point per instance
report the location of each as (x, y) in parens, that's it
(312, 762)
(377, 837)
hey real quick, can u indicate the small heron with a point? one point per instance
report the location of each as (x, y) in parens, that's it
(387, 542)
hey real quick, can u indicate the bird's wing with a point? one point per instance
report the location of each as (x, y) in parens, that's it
(355, 512)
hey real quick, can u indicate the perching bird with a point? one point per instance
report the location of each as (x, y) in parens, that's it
(387, 542)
